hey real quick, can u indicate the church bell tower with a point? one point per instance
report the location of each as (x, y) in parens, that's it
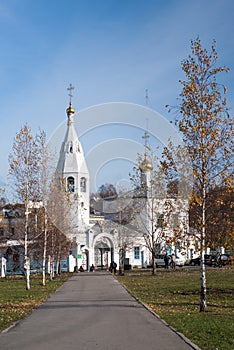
(73, 169)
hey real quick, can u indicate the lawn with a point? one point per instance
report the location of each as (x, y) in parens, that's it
(16, 302)
(174, 296)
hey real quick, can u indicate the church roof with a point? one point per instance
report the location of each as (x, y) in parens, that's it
(71, 158)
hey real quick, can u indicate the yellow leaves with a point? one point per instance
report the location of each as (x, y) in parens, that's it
(197, 199)
(207, 62)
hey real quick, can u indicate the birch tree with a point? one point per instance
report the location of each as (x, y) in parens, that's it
(43, 187)
(51, 195)
(207, 130)
(24, 169)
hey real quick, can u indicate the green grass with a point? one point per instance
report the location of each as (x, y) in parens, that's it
(174, 296)
(16, 302)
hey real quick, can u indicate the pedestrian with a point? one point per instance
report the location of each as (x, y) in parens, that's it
(114, 266)
(173, 261)
(166, 260)
(219, 260)
(92, 268)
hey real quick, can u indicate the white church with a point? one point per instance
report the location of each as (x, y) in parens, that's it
(96, 240)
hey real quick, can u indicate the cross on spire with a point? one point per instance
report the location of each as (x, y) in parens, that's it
(70, 88)
(145, 137)
(146, 97)
(146, 143)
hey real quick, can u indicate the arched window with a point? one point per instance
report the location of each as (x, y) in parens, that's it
(70, 184)
(83, 184)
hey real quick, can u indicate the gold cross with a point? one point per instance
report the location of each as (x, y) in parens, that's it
(145, 136)
(70, 88)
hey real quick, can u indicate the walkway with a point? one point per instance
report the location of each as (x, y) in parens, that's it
(92, 311)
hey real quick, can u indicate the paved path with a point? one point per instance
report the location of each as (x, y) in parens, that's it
(91, 311)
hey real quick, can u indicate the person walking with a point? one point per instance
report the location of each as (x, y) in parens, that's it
(113, 266)
(166, 260)
(173, 261)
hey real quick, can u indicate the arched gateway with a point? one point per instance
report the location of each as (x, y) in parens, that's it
(103, 250)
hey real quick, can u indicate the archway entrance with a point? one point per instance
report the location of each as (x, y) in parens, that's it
(103, 252)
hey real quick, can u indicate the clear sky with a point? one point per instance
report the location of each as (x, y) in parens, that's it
(110, 50)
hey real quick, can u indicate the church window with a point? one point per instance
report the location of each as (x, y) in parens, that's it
(83, 184)
(70, 147)
(136, 252)
(70, 184)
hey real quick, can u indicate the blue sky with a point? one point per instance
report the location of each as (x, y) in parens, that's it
(110, 50)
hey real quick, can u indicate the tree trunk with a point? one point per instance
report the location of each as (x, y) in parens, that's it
(26, 259)
(57, 266)
(203, 284)
(153, 264)
(202, 265)
(27, 271)
(121, 262)
(44, 253)
(58, 261)
(52, 258)
(51, 269)
(153, 238)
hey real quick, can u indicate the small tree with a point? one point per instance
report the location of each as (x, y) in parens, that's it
(24, 172)
(207, 132)
(43, 190)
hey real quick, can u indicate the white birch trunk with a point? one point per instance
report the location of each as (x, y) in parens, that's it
(153, 234)
(202, 265)
(57, 267)
(26, 259)
(51, 269)
(44, 253)
(52, 260)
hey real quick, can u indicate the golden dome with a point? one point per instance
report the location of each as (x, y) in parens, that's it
(146, 165)
(70, 110)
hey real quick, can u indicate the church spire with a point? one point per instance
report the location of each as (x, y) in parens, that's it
(70, 110)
